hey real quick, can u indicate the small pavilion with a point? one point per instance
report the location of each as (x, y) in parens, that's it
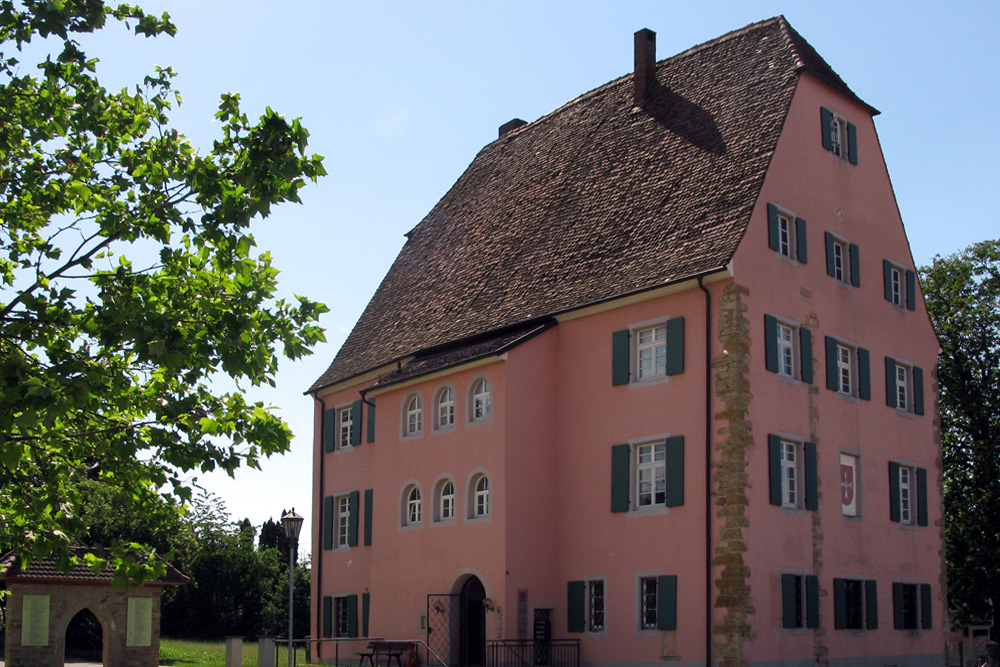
(44, 599)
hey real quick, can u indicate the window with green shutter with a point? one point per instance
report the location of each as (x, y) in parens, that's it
(792, 473)
(352, 616)
(799, 601)
(647, 352)
(365, 609)
(327, 616)
(356, 423)
(620, 469)
(904, 386)
(786, 233)
(328, 517)
(843, 260)
(855, 604)
(330, 430)
(812, 601)
(848, 369)
(871, 604)
(838, 136)
(647, 475)
(787, 349)
(911, 606)
(352, 534)
(666, 602)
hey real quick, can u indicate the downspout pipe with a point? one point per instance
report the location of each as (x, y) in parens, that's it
(708, 471)
(319, 561)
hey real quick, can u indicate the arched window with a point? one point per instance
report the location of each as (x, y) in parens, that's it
(479, 499)
(413, 415)
(481, 400)
(445, 412)
(412, 507)
(444, 505)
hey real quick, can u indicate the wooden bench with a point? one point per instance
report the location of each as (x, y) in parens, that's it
(389, 649)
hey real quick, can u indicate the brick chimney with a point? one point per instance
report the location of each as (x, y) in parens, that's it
(510, 126)
(645, 64)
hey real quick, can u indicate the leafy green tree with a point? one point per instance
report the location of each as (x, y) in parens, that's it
(129, 281)
(963, 296)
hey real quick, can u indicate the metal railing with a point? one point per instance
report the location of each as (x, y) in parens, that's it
(531, 653)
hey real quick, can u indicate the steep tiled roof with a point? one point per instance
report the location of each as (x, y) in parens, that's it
(46, 569)
(595, 200)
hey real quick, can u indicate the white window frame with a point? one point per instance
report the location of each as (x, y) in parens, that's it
(787, 349)
(838, 135)
(341, 520)
(479, 504)
(412, 506)
(786, 234)
(792, 478)
(907, 484)
(413, 415)
(446, 500)
(847, 363)
(596, 606)
(903, 393)
(480, 399)
(444, 408)
(345, 421)
(651, 353)
(651, 472)
(840, 270)
(897, 287)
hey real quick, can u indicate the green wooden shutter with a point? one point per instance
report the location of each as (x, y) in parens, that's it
(826, 122)
(839, 604)
(894, 492)
(352, 527)
(831, 264)
(666, 602)
(925, 607)
(328, 522)
(832, 378)
(812, 499)
(371, 419)
(911, 290)
(890, 382)
(789, 594)
(921, 497)
(864, 375)
(620, 457)
(801, 253)
(772, 226)
(575, 600)
(675, 345)
(366, 604)
(620, 357)
(330, 429)
(812, 601)
(774, 467)
(897, 605)
(887, 279)
(352, 615)
(852, 143)
(918, 390)
(771, 343)
(327, 616)
(356, 423)
(806, 354)
(855, 254)
(369, 504)
(675, 471)
(871, 604)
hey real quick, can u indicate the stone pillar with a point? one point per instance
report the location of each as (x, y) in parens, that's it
(265, 652)
(234, 651)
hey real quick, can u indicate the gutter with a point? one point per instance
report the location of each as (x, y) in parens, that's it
(708, 472)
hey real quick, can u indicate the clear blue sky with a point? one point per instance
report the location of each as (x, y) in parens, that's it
(401, 96)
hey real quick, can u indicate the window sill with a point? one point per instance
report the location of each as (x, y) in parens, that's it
(649, 382)
(905, 413)
(794, 632)
(444, 429)
(794, 511)
(850, 398)
(907, 526)
(656, 510)
(342, 450)
(479, 519)
(443, 522)
(412, 436)
(789, 380)
(484, 420)
(411, 526)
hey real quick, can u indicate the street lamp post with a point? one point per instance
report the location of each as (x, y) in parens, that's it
(292, 523)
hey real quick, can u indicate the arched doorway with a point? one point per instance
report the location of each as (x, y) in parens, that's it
(472, 614)
(84, 637)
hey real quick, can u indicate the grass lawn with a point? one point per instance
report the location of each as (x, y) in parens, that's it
(192, 653)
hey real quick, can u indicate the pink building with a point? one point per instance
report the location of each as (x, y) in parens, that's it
(655, 376)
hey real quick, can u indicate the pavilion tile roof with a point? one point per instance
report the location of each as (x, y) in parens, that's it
(598, 199)
(47, 570)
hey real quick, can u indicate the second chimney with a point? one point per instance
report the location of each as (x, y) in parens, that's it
(645, 64)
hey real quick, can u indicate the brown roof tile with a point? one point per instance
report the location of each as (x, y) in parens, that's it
(595, 200)
(46, 569)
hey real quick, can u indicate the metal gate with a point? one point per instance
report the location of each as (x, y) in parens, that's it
(444, 629)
